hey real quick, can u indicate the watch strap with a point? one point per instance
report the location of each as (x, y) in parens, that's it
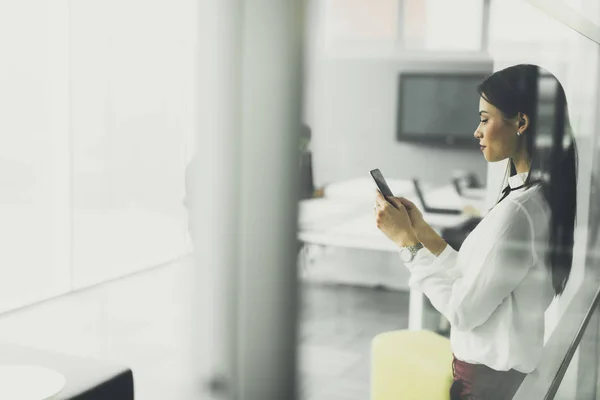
(415, 248)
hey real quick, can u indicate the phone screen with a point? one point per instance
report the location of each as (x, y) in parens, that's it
(381, 183)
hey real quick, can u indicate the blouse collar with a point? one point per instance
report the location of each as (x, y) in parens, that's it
(517, 180)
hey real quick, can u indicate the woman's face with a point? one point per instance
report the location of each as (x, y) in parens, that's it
(498, 135)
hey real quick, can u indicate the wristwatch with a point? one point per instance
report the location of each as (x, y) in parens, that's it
(408, 253)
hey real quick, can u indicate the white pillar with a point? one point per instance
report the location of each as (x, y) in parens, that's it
(271, 115)
(215, 208)
(244, 334)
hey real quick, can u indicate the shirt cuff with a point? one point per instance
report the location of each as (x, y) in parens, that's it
(425, 258)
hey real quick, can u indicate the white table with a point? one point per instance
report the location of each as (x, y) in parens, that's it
(344, 220)
(74, 377)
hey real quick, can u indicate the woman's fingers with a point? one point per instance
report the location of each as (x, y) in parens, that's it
(396, 202)
(405, 201)
(408, 204)
(381, 201)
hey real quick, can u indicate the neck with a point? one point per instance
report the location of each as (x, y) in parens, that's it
(522, 163)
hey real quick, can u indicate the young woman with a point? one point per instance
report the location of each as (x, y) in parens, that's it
(495, 290)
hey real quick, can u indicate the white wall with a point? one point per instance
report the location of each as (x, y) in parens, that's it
(350, 100)
(354, 124)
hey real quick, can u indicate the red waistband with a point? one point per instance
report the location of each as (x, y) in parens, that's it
(467, 371)
(482, 381)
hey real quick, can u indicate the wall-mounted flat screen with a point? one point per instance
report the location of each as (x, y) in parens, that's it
(438, 108)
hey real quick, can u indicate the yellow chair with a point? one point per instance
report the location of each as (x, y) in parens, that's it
(410, 365)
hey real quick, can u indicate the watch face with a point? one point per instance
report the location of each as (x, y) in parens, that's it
(406, 255)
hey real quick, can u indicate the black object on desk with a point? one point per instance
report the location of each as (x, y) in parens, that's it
(85, 379)
(460, 191)
(455, 236)
(456, 184)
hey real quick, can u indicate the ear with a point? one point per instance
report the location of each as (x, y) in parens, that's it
(522, 122)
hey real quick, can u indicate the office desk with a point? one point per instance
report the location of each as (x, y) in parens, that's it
(85, 379)
(349, 222)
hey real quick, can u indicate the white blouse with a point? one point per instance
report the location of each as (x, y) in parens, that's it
(495, 290)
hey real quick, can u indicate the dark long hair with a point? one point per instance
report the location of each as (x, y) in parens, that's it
(554, 164)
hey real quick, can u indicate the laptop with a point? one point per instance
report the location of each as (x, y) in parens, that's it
(432, 210)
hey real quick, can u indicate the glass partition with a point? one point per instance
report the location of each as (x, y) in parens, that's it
(566, 371)
(354, 99)
(34, 156)
(131, 131)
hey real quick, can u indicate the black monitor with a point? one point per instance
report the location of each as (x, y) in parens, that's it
(438, 108)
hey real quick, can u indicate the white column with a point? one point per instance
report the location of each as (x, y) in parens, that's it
(245, 275)
(271, 113)
(215, 212)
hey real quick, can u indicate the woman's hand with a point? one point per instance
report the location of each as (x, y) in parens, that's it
(394, 221)
(416, 216)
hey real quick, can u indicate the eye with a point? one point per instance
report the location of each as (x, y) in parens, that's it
(483, 121)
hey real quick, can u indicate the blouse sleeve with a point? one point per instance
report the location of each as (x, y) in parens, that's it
(468, 300)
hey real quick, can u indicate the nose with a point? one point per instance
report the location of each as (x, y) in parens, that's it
(477, 133)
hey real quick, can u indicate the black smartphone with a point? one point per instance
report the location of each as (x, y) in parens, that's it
(381, 183)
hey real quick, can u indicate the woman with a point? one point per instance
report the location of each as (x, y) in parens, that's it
(495, 290)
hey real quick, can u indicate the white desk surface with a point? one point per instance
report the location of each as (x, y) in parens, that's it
(348, 221)
(329, 222)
